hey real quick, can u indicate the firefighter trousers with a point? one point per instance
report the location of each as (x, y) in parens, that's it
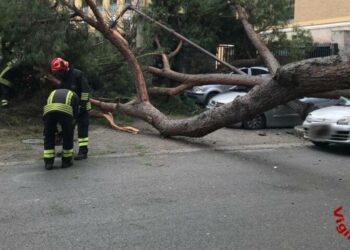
(83, 132)
(51, 120)
(5, 95)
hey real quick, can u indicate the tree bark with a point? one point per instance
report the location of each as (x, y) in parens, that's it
(293, 81)
(269, 59)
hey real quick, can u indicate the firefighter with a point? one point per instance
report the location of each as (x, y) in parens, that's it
(74, 79)
(61, 108)
(6, 75)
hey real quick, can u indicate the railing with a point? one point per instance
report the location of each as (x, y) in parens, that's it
(289, 54)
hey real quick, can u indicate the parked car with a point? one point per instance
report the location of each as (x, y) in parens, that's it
(280, 116)
(329, 125)
(202, 94)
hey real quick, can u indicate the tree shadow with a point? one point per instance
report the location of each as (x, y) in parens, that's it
(335, 149)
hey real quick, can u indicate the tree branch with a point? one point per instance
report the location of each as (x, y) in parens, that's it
(201, 79)
(269, 59)
(80, 13)
(119, 42)
(166, 64)
(176, 51)
(260, 99)
(103, 27)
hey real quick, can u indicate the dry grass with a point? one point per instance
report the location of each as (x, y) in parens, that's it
(23, 112)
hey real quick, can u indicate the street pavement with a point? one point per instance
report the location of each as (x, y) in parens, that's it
(264, 196)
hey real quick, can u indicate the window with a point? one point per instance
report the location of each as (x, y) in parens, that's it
(243, 89)
(245, 70)
(256, 72)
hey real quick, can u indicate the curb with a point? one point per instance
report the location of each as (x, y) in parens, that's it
(299, 131)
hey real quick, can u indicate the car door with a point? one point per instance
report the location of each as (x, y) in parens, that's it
(282, 116)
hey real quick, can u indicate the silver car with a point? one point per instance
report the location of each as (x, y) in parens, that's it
(202, 94)
(280, 116)
(329, 125)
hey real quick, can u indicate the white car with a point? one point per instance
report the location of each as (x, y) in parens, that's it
(329, 125)
(202, 94)
(281, 116)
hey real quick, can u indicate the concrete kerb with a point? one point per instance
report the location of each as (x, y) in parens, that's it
(299, 131)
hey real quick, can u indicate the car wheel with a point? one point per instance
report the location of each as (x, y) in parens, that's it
(320, 144)
(209, 96)
(258, 122)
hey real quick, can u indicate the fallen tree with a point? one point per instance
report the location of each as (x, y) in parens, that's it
(285, 84)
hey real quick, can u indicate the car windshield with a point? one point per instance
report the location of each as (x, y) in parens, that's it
(343, 101)
(240, 89)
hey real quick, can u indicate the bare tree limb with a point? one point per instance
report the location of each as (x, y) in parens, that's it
(257, 101)
(166, 64)
(248, 62)
(119, 42)
(176, 51)
(100, 22)
(80, 13)
(269, 59)
(201, 79)
(336, 94)
(288, 83)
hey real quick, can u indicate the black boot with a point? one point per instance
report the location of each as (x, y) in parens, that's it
(67, 162)
(82, 154)
(49, 164)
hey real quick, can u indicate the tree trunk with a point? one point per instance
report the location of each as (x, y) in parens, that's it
(292, 81)
(287, 83)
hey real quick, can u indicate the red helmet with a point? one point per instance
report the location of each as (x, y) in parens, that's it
(58, 64)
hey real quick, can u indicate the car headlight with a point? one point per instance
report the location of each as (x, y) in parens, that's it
(344, 121)
(198, 89)
(309, 118)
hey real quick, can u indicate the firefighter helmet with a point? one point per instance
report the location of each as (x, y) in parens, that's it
(58, 64)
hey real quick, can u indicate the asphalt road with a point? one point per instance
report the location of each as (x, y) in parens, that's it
(263, 197)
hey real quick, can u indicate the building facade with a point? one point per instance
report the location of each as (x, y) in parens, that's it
(111, 8)
(327, 20)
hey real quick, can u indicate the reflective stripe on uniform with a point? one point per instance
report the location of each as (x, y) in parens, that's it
(49, 100)
(58, 107)
(4, 102)
(84, 96)
(67, 153)
(69, 98)
(83, 141)
(2, 80)
(88, 106)
(5, 82)
(49, 153)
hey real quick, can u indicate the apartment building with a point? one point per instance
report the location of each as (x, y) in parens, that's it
(327, 20)
(112, 8)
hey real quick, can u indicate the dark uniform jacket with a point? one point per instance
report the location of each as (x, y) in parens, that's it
(75, 80)
(7, 74)
(63, 101)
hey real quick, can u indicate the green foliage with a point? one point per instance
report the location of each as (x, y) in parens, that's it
(176, 105)
(292, 49)
(207, 23)
(34, 32)
(213, 22)
(265, 14)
